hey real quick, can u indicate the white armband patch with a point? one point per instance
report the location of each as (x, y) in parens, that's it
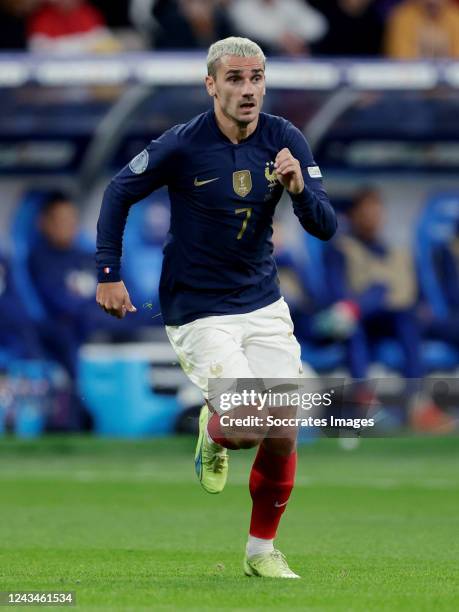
(139, 164)
(314, 172)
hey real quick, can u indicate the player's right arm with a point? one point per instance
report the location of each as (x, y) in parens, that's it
(147, 172)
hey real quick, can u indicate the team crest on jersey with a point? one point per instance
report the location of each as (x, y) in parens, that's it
(271, 175)
(139, 164)
(242, 182)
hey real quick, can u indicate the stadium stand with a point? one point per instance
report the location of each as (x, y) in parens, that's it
(283, 27)
(423, 28)
(436, 230)
(391, 122)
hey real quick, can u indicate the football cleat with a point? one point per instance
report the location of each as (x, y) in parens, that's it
(268, 565)
(211, 459)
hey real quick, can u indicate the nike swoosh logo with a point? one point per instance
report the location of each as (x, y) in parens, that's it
(278, 505)
(201, 183)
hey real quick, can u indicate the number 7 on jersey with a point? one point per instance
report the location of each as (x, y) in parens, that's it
(248, 212)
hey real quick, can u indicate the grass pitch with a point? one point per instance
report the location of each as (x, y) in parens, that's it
(127, 527)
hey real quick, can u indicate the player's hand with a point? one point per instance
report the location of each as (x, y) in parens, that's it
(114, 299)
(288, 171)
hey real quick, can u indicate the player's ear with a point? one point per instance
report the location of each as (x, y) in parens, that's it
(210, 85)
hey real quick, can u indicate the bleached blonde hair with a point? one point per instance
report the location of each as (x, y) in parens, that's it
(233, 45)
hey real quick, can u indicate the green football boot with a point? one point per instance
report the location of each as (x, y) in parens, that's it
(268, 565)
(210, 459)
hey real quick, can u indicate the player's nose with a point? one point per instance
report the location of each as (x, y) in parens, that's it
(248, 89)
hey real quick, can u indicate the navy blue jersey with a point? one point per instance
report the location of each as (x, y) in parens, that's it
(218, 254)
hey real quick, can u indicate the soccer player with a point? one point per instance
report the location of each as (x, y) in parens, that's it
(225, 170)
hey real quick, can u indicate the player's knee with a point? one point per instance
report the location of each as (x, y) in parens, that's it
(247, 441)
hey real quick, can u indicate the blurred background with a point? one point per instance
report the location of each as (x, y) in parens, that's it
(86, 84)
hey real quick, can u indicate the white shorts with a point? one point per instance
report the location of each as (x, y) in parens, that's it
(257, 344)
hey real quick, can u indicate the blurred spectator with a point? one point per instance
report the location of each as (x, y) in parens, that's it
(423, 29)
(190, 24)
(119, 17)
(13, 20)
(279, 26)
(116, 14)
(69, 26)
(141, 17)
(306, 308)
(18, 337)
(64, 276)
(355, 28)
(384, 7)
(375, 285)
(446, 264)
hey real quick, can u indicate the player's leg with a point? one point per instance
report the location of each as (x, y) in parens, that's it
(273, 353)
(206, 349)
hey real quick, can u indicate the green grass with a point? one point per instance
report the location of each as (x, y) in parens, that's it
(126, 526)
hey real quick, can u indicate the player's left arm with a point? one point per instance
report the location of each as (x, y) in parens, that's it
(298, 173)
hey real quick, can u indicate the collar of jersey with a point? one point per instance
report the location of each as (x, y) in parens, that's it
(214, 125)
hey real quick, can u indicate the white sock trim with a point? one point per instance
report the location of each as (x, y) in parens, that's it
(257, 546)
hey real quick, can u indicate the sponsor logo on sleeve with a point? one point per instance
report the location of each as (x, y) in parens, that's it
(314, 172)
(139, 164)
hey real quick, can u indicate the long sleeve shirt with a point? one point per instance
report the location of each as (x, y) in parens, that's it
(218, 253)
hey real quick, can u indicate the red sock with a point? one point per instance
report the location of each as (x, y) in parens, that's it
(215, 432)
(271, 482)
